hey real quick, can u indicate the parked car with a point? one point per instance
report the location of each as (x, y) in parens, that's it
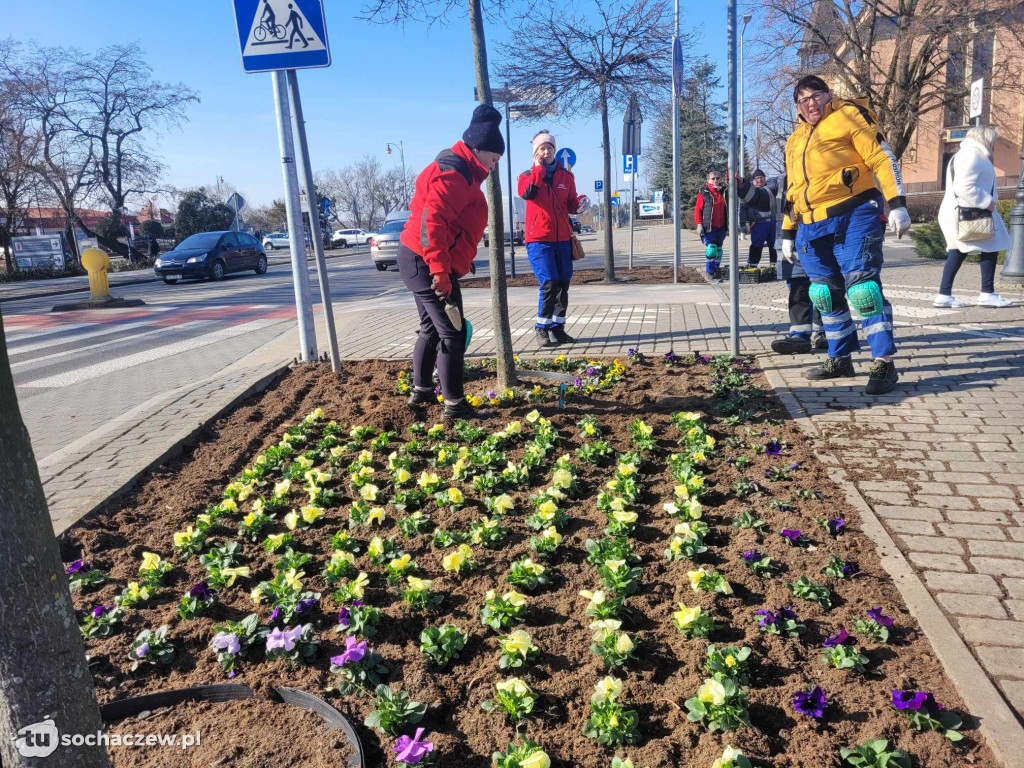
(586, 229)
(346, 238)
(276, 240)
(211, 255)
(576, 226)
(384, 244)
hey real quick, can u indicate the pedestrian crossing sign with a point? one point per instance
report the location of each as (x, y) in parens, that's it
(282, 34)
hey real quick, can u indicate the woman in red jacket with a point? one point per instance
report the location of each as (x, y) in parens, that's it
(447, 217)
(550, 194)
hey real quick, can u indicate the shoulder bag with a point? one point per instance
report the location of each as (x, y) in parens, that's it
(972, 223)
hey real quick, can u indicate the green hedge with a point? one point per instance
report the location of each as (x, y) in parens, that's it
(930, 244)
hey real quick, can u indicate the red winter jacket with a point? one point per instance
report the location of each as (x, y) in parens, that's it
(448, 212)
(716, 217)
(548, 204)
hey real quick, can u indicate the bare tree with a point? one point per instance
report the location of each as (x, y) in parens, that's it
(431, 11)
(909, 58)
(594, 56)
(43, 670)
(19, 151)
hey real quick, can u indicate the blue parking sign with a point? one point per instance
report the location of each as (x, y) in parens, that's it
(282, 34)
(598, 185)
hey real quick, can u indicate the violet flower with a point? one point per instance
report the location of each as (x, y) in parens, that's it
(671, 356)
(437, 390)
(141, 651)
(794, 465)
(787, 614)
(491, 394)
(751, 556)
(578, 382)
(343, 616)
(283, 640)
(591, 372)
(273, 615)
(411, 750)
(225, 641)
(78, 565)
(354, 651)
(838, 638)
(835, 527)
(849, 569)
(909, 699)
(876, 615)
(810, 702)
(792, 535)
(631, 352)
(772, 448)
(305, 605)
(768, 618)
(201, 591)
(99, 610)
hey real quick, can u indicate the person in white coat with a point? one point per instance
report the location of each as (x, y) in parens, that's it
(971, 183)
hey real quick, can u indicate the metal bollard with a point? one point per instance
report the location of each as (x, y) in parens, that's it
(1013, 266)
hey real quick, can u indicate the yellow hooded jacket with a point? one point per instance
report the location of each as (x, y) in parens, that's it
(832, 166)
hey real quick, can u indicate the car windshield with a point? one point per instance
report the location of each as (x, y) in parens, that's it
(393, 228)
(202, 240)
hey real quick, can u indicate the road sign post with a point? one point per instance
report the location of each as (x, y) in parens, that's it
(631, 122)
(733, 214)
(977, 100)
(566, 157)
(282, 34)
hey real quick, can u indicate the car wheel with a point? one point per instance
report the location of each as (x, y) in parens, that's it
(169, 281)
(261, 264)
(269, 246)
(381, 267)
(217, 270)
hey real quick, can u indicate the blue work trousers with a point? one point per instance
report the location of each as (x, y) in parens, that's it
(552, 266)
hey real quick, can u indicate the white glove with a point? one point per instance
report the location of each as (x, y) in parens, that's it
(700, 230)
(789, 251)
(899, 221)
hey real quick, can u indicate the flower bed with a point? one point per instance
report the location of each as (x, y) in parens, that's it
(431, 578)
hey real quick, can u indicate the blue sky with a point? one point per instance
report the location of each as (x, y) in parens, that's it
(386, 83)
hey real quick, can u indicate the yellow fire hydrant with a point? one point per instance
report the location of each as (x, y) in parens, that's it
(96, 263)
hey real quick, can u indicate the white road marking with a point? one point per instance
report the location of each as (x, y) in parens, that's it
(114, 365)
(67, 338)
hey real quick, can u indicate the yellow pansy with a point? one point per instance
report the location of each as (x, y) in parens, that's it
(312, 514)
(418, 585)
(562, 478)
(255, 595)
(710, 441)
(375, 547)
(538, 759)
(695, 578)
(427, 479)
(611, 485)
(627, 469)
(614, 565)
(623, 643)
(376, 516)
(504, 503)
(730, 660)
(181, 538)
(342, 556)
(712, 692)
(365, 457)
(671, 508)
(258, 505)
(276, 540)
(625, 517)
(369, 492)
(400, 563)
(358, 587)
(365, 472)
(455, 496)
(337, 451)
(686, 616)
(283, 487)
(697, 481)
(676, 544)
(554, 493)
(617, 504)
(596, 598)
(533, 416)
(691, 416)
(442, 454)
(230, 574)
(514, 428)
(204, 520)
(515, 685)
(535, 568)
(150, 561)
(547, 509)
(608, 688)
(249, 519)
(453, 561)
(403, 475)
(686, 531)
(552, 535)
(293, 578)
(699, 456)
(304, 461)
(590, 430)
(518, 642)
(514, 598)
(317, 414)
(728, 758)
(682, 492)
(291, 520)
(229, 505)
(603, 627)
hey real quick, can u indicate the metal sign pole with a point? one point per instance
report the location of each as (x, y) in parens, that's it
(632, 209)
(314, 219)
(733, 212)
(676, 218)
(293, 207)
(511, 201)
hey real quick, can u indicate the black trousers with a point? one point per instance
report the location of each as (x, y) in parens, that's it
(438, 343)
(804, 317)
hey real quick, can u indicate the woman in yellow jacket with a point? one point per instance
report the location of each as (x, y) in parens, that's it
(836, 160)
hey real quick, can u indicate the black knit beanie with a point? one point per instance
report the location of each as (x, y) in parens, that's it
(758, 172)
(484, 132)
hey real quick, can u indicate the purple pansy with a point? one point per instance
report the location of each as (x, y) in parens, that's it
(99, 610)
(591, 372)
(768, 618)
(305, 605)
(201, 591)
(838, 638)
(225, 641)
(141, 651)
(354, 651)
(491, 394)
(792, 535)
(751, 556)
(794, 465)
(835, 526)
(411, 749)
(77, 566)
(273, 615)
(578, 382)
(343, 616)
(437, 390)
(285, 640)
(909, 699)
(773, 448)
(810, 702)
(671, 357)
(876, 615)
(849, 569)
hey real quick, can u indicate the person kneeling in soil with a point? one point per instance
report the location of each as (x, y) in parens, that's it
(550, 194)
(447, 217)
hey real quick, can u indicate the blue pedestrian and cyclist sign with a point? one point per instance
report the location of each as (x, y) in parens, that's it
(282, 34)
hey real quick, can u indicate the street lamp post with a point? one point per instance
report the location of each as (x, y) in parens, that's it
(405, 179)
(1013, 267)
(743, 126)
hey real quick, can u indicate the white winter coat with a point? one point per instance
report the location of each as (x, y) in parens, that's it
(972, 177)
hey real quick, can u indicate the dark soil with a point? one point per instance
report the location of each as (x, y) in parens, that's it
(668, 670)
(639, 275)
(252, 733)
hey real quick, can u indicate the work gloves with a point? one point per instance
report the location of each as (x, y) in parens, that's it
(442, 285)
(899, 221)
(789, 251)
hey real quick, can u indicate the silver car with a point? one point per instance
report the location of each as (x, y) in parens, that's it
(276, 240)
(384, 244)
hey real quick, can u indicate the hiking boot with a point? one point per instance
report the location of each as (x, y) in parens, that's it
(818, 340)
(791, 345)
(832, 368)
(460, 410)
(421, 397)
(543, 339)
(882, 378)
(559, 336)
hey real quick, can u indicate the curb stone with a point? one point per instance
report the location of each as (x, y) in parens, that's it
(999, 725)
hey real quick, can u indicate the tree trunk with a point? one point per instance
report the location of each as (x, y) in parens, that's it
(43, 671)
(609, 248)
(499, 293)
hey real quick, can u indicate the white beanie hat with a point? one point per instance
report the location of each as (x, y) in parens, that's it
(543, 138)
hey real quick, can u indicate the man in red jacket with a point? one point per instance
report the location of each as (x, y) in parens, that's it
(709, 214)
(447, 217)
(550, 194)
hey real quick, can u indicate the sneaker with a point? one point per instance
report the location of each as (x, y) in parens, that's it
(419, 398)
(791, 345)
(993, 300)
(543, 339)
(818, 340)
(460, 410)
(832, 368)
(559, 336)
(882, 378)
(948, 302)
